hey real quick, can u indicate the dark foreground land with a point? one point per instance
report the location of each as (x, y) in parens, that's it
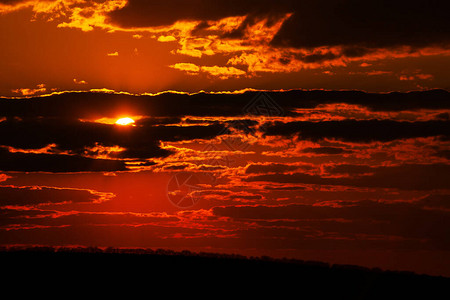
(203, 274)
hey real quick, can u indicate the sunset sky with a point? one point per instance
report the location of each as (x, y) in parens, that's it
(317, 130)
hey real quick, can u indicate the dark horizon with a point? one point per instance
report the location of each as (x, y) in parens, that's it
(229, 274)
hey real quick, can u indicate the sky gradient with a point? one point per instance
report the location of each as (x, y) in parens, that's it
(153, 46)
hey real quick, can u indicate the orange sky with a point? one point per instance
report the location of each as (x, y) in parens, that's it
(77, 45)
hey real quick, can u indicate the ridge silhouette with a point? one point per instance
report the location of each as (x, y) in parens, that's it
(223, 274)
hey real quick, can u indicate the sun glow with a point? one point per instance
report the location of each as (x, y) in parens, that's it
(125, 121)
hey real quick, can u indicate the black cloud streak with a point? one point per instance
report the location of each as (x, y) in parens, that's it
(398, 219)
(56, 163)
(326, 150)
(44, 195)
(359, 131)
(46, 218)
(404, 177)
(164, 107)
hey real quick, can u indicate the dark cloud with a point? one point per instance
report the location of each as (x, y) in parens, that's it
(25, 196)
(367, 217)
(157, 121)
(10, 216)
(49, 218)
(162, 108)
(327, 55)
(443, 153)
(371, 24)
(439, 201)
(405, 177)
(443, 116)
(158, 13)
(326, 150)
(363, 210)
(349, 169)
(357, 25)
(432, 99)
(98, 105)
(359, 131)
(269, 168)
(285, 188)
(27, 162)
(317, 58)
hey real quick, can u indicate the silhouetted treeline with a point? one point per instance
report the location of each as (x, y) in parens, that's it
(222, 274)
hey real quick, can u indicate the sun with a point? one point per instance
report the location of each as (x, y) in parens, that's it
(125, 121)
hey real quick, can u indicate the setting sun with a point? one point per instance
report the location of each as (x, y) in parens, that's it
(125, 121)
